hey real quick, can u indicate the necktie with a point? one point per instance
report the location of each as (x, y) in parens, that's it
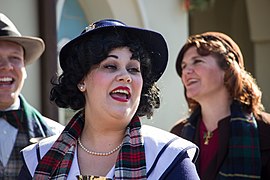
(13, 117)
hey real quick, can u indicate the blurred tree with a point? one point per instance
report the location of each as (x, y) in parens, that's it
(191, 5)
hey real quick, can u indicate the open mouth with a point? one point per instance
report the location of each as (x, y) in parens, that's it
(190, 82)
(120, 94)
(4, 81)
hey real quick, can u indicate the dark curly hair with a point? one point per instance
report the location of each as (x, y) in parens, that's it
(91, 51)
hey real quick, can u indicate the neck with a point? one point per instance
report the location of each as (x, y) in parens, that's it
(101, 139)
(215, 110)
(11, 105)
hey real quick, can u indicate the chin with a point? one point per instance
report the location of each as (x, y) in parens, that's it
(192, 95)
(122, 114)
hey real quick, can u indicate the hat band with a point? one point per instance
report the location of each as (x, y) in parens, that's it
(8, 33)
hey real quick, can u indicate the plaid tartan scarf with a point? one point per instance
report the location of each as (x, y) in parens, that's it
(243, 160)
(57, 161)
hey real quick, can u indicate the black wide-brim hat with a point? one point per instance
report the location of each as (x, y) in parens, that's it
(153, 41)
(33, 46)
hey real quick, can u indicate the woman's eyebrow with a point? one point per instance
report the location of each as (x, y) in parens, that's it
(113, 56)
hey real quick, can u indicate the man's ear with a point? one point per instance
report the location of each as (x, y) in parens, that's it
(24, 73)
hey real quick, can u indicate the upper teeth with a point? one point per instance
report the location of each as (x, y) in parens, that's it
(121, 91)
(6, 79)
(191, 80)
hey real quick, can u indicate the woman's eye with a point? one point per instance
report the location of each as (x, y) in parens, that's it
(134, 70)
(183, 66)
(197, 61)
(110, 66)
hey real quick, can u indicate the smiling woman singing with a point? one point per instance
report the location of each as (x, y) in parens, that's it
(227, 120)
(109, 76)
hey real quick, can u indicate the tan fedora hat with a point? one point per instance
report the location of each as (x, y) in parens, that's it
(33, 46)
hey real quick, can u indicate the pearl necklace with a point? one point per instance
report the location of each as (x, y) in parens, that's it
(98, 153)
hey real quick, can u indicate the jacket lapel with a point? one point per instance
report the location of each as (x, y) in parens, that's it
(223, 133)
(33, 121)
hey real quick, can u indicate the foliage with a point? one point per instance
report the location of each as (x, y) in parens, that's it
(197, 4)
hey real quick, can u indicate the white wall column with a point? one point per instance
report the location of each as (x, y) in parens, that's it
(258, 13)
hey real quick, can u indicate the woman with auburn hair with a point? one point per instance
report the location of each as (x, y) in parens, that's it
(227, 119)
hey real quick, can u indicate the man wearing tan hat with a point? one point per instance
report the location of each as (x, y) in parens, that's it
(20, 123)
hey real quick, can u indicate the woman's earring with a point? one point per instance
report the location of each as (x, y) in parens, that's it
(81, 87)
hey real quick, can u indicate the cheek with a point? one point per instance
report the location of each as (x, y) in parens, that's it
(183, 81)
(220, 77)
(24, 73)
(96, 78)
(202, 70)
(216, 76)
(21, 72)
(96, 87)
(95, 83)
(138, 83)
